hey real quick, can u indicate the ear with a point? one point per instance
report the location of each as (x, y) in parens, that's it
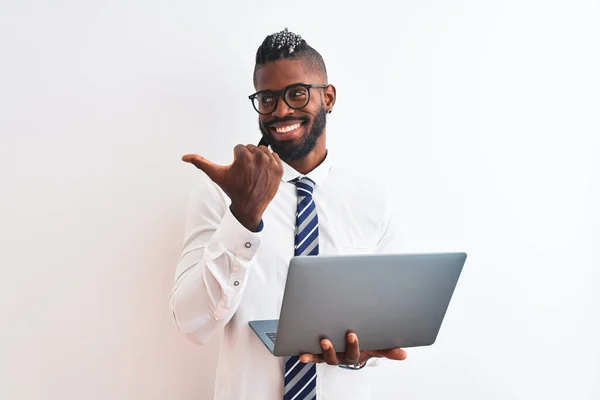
(329, 94)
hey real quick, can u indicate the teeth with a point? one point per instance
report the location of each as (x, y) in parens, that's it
(288, 128)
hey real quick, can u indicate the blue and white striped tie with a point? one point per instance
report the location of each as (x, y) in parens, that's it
(301, 379)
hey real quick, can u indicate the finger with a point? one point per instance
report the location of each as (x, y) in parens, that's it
(352, 354)
(214, 171)
(278, 161)
(392, 354)
(329, 354)
(240, 151)
(266, 150)
(395, 354)
(316, 358)
(276, 156)
(252, 148)
(260, 153)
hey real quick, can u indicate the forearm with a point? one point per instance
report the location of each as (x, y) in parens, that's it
(211, 274)
(206, 297)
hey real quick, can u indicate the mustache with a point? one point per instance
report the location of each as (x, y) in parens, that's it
(276, 120)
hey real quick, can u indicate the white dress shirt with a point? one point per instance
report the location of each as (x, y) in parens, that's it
(228, 275)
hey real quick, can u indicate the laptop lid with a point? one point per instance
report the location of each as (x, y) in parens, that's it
(389, 300)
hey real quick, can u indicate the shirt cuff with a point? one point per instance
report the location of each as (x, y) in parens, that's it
(236, 238)
(373, 362)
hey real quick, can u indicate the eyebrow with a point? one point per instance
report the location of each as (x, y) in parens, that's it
(288, 86)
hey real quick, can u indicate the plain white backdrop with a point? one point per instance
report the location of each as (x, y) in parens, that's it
(482, 116)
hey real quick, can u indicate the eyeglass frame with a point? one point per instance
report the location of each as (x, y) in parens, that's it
(279, 93)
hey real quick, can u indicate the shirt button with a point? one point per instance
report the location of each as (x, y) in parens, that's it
(248, 245)
(236, 283)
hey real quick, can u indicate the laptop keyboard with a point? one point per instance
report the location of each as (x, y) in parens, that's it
(272, 336)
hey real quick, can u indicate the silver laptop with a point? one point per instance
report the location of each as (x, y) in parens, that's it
(389, 300)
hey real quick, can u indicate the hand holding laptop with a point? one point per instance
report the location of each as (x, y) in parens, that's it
(352, 355)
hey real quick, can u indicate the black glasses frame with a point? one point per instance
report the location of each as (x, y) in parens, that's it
(283, 93)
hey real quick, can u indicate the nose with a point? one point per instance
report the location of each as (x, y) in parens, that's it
(282, 109)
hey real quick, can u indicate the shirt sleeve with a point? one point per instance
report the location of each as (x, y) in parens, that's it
(212, 270)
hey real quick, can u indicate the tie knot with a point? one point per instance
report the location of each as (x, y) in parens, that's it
(304, 186)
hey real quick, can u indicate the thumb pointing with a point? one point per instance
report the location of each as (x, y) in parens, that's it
(215, 172)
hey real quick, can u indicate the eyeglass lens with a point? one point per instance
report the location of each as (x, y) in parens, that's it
(295, 97)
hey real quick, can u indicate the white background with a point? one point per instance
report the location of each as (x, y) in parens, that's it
(482, 115)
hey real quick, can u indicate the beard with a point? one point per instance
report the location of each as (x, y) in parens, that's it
(289, 150)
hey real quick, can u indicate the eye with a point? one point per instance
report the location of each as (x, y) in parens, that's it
(266, 99)
(297, 93)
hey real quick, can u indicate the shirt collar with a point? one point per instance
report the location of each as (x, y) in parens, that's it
(318, 175)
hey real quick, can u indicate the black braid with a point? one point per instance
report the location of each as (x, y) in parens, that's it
(290, 46)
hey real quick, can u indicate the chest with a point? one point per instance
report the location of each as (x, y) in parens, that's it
(345, 226)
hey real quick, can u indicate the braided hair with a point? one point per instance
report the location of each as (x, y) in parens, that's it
(290, 46)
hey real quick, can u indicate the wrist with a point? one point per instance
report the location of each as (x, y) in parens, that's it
(250, 220)
(353, 367)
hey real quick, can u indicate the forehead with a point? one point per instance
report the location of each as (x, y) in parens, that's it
(276, 75)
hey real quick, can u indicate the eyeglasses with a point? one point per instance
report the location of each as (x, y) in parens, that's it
(296, 96)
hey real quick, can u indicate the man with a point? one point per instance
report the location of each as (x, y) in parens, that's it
(249, 218)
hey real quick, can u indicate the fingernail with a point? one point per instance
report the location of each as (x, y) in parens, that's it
(352, 338)
(325, 345)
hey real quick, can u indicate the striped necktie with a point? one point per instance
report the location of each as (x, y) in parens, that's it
(301, 379)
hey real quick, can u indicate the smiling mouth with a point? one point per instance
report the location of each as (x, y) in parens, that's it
(287, 128)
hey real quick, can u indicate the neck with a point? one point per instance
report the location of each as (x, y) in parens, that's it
(313, 160)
